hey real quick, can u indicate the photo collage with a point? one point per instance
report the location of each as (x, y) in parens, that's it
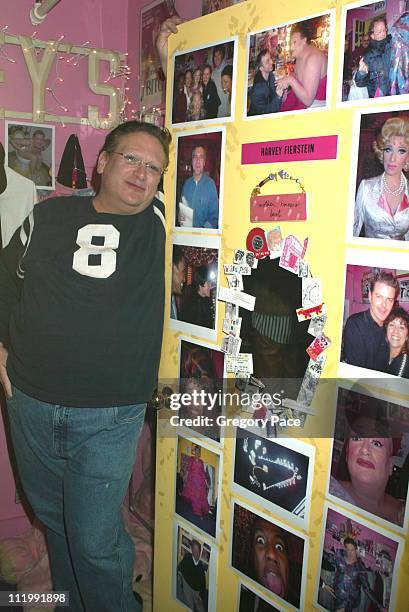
(252, 313)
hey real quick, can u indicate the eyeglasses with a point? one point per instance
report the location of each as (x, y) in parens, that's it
(137, 162)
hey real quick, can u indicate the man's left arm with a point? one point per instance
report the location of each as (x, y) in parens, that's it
(368, 591)
(307, 91)
(10, 291)
(213, 213)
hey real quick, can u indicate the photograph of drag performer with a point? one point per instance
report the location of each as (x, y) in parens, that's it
(367, 453)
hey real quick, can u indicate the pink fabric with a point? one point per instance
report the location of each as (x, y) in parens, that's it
(385, 206)
(293, 103)
(195, 489)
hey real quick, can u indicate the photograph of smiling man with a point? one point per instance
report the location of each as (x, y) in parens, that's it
(376, 314)
(199, 180)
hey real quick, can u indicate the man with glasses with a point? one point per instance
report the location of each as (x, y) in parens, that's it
(200, 194)
(81, 315)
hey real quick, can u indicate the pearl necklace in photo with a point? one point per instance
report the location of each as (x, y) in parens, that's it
(393, 192)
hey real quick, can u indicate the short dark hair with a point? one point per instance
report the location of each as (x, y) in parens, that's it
(377, 20)
(177, 255)
(199, 146)
(261, 54)
(387, 278)
(349, 540)
(228, 71)
(304, 29)
(220, 49)
(38, 132)
(207, 66)
(200, 276)
(132, 127)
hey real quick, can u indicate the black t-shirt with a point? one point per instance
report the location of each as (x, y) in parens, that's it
(84, 321)
(192, 573)
(399, 366)
(365, 342)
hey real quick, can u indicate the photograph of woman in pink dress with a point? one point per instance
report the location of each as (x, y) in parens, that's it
(196, 485)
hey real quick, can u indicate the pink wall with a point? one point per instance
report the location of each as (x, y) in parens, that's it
(103, 23)
(364, 14)
(353, 289)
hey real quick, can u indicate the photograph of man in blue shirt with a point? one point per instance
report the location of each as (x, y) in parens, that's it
(200, 194)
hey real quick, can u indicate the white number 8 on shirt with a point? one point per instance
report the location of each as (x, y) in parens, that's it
(107, 256)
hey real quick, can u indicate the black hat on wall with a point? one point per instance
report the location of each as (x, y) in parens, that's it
(72, 169)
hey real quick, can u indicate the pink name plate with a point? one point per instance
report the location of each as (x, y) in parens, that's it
(297, 149)
(280, 207)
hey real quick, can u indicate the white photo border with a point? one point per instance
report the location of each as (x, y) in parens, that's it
(40, 126)
(296, 445)
(353, 386)
(356, 133)
(214, 347)
(180, 135)
(212, 567)
(330, 68)
(271, 519)
(200, 241)
(215, 451)
(373, 527)
(380, 259)
(364, 102)
(200, 123)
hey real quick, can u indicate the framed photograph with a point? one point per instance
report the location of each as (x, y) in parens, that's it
(152, 79)
(276, 473)
(194, 561)
(198, 484)
(30, 151)
(359, 564)
(374, 48)
(249, 600)
(211, 6)
(199, 180)
(375, 325)
(204, 83)
(290, 67)
(379, 195)
(202, 369)
(369, 469)
(269, 553)
(194, 285)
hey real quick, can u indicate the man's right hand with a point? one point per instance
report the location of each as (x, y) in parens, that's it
(362, 66)
(4, 379)
(167, 28)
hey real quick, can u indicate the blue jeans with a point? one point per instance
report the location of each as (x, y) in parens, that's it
(75, 465)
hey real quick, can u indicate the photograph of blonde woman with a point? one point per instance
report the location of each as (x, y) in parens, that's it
(382, 201)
